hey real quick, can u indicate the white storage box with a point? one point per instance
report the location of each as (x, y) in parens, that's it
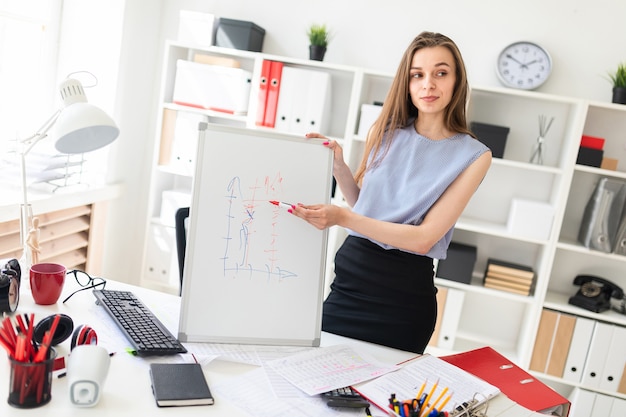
(530, 219)
(196, 28)
(171, 201)
(212, 87)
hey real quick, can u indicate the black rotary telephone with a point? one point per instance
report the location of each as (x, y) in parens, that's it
(595, 293)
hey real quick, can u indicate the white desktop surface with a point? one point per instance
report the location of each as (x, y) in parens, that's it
(127, 388)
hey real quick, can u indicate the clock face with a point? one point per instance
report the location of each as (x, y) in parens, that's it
(524, 65)
(14, 295)
(9, 292)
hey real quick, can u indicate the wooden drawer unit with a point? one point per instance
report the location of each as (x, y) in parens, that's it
(71, 237)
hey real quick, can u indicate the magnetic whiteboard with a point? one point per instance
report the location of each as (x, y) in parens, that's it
(254, 273)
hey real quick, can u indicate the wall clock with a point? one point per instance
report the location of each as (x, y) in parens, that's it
(524, 65)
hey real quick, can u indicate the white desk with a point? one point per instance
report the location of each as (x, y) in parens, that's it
(127, 389)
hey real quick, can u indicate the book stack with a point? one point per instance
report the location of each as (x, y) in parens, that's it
(507, 276)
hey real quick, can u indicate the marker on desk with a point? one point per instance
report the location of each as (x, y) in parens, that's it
(281, 204)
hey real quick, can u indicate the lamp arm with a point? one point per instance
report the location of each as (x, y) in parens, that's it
(27, 146)
(41, 133)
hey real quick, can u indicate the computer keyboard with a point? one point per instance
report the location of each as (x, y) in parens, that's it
(146, 333)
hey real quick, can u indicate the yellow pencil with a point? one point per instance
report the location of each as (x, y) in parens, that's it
(430, 394)
(443, 404)
(419, 394)
(434, 404)
(440, 396)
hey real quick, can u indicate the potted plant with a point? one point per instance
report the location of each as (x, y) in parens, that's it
(319, 36)
(618, 78)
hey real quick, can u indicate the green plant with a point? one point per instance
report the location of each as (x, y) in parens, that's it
(318, 35)
(618, 78)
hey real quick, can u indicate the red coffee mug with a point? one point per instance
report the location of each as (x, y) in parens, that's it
(46, 282)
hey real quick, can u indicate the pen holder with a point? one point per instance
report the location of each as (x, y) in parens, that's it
(31, 382)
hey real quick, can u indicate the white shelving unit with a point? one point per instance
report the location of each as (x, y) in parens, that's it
(505, 321)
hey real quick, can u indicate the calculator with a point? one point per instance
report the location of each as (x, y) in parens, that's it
(345, 397)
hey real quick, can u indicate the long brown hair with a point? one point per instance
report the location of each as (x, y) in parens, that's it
(398, 108)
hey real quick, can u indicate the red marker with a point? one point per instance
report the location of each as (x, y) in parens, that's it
(281, 204)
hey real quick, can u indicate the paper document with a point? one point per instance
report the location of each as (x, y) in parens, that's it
(324, 369)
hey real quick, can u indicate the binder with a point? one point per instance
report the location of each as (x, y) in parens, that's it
(602, 405)
(615, 361)
(263, 86)
(602, 215)
(543, 341)
(185, 143)
(292, 102)
(578, 349)
(273, 91)
(622, 383)
(451, 318)
(582, 403)
(619, 247)
(619, 407)
(560, 344)
(318, 108)
(168, 129)
(552, 344)
(598, 351)
(511, 380)
(304, 101)
(463, 386)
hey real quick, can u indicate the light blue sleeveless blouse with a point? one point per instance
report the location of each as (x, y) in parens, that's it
(412, 176)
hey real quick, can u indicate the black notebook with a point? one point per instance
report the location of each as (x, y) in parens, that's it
(179, 384)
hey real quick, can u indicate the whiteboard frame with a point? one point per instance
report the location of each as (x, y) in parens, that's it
(194, 327)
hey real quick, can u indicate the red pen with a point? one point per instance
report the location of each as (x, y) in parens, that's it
(281, 204)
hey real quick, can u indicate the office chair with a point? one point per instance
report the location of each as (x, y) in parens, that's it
(181, 240)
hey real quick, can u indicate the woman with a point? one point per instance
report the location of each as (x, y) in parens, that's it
(421, 167)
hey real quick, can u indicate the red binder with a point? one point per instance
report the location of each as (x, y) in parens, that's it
(513, 381)
(273, 91)
(263, 82)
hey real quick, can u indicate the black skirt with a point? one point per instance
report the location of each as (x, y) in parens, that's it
(387, 297)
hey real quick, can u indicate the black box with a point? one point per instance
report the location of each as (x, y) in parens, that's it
(491, 135)
(459, 264)
(239, 34)
(589, 156)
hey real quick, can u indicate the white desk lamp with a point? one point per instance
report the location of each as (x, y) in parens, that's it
(79, 127)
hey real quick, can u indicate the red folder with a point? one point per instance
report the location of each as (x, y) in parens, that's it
(513, 381)
(263, 82)
(273, 90)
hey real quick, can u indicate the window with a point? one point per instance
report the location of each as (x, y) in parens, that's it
(28, 39)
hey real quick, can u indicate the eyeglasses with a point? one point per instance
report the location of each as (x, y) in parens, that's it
(86, 281)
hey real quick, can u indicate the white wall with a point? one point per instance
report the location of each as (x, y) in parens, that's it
(585, 39)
